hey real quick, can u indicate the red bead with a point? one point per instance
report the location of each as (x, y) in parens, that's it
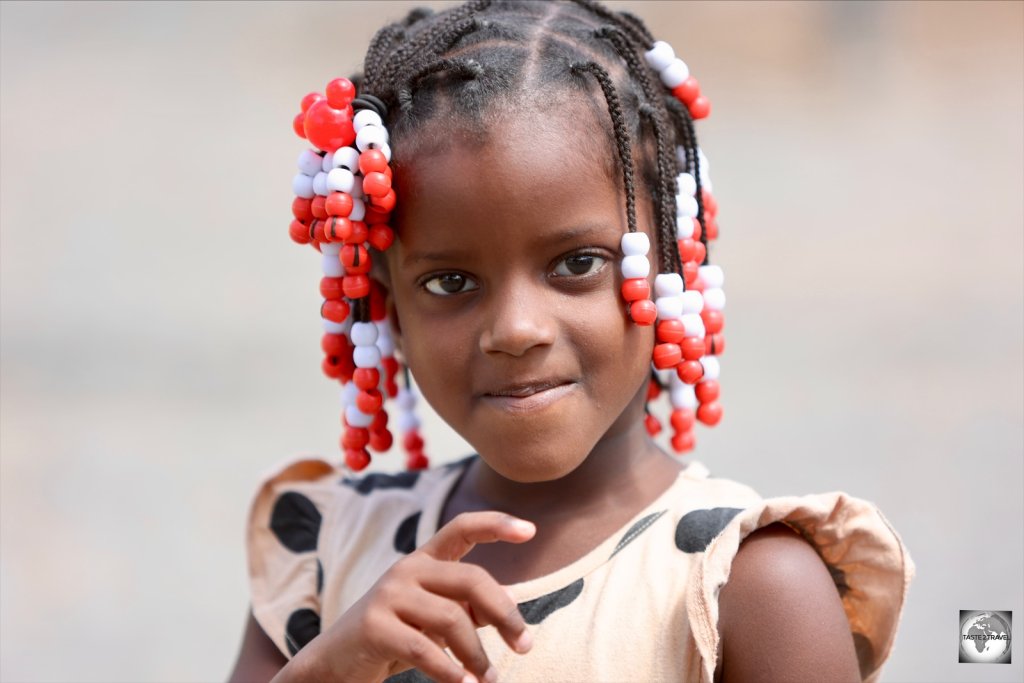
(332, 367)
(359, 233)
(698, 284)
(355, 438)
(714, 321)
(369, 401)
(683, 443)
(309, 100)
(381, 441)
(700, 107)
(417, 461)
(335, 344)
(686, 249)
(299, 125)
(338, 204)
(366, 378)
(329, 128)
(712, 227)
(376, 184)
(412, 441)
(390, 388)
(714, 344)
(690, 371)
(692, 348)
(699, 252)
(643, 312)
(356, 286)
(378, 301)
(636, 288)
(687, 91)
(375, 215)
(710, 413)
(338, 229)
(299, 232)
(653, 390)
(696, 229)
(666, 356)
(372, 160)
(652, 425)
(356, 259)
(682, 419)
(671, 331)
(335, 310)
(709, 202)
(357, 459)
(301, 209)
(690, 272)
(380, 421)
(316, 231)
(707, 391)
(318, 207)
(381, 237)
(330, 288)
(385, 202)
(340, 93)
(390, 364)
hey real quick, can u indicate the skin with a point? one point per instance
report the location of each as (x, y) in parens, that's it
(529, 355)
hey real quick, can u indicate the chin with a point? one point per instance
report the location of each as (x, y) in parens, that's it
(532, 463)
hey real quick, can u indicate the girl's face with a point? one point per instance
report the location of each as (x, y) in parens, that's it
(505, 280)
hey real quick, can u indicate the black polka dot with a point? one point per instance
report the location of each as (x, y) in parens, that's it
(865, 654)
(303, 626)
(641, 526)
(536, 611)
(319, 577)
(296, 522)
(410, 676)
(377, 480)
(697, 528)
(405, 536)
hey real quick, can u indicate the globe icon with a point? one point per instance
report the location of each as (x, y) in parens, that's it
(984, 637)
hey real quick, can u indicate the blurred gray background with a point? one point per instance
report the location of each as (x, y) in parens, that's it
(159, 332)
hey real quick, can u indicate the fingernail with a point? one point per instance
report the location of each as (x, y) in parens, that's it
(469, 678)
(491, 675)
(522, 526)
(524, 642)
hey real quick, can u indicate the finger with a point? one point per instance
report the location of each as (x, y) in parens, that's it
(457, 537)
(488, 600)
(417, 650)
(440, 617)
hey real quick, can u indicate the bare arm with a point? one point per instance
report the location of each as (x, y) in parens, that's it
(259, 660)
(780, 615)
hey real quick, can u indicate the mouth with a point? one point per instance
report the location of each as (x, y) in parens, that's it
(528, 396)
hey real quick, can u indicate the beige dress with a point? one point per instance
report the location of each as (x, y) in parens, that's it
(642, 606)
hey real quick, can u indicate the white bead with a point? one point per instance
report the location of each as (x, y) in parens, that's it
(326, 163)
(331, 266)
(702, 159)
(693, 302)
(302, 186)
(681, 394)
(686, 206)
(364, 334)
(714, 299)
(332, 248)
(358, 210)
(371, 137)
(386, 346)
(694, 325)
(660, 55)
(636, 244)
(366, 356)
(705, 182)
(310, 162)
(407, 422)
(684, 227)
(340, 180)
(366, 117)
(675, 73)
(669, 307)
(349, 392)
(331, 327)
(346, 157)
(357, 188)
(635, 266)
(386, 151)
(320, 184)
(357, 418)
(687, 184)
(668, 284)
(712, 276)
(405, 399)
(712, 368)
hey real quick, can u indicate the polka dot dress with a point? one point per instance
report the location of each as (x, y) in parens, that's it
(642, 606)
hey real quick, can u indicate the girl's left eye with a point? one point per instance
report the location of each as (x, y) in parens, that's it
(447, 284)
(579, 264)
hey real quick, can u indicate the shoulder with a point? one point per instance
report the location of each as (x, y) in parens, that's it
(780, 615)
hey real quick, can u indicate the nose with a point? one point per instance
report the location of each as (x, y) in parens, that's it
(518, 318)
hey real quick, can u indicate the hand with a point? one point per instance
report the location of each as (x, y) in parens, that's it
(423, 603)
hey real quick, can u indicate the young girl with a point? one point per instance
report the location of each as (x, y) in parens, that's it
(511, 200)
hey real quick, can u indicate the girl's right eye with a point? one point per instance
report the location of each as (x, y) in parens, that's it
(447, 284)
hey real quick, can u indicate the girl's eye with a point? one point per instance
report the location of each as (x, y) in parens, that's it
(450, 283)
(579, 264)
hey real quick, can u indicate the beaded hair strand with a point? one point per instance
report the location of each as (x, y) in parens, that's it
(469, 56)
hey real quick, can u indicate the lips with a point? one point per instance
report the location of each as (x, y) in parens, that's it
(520, 397)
